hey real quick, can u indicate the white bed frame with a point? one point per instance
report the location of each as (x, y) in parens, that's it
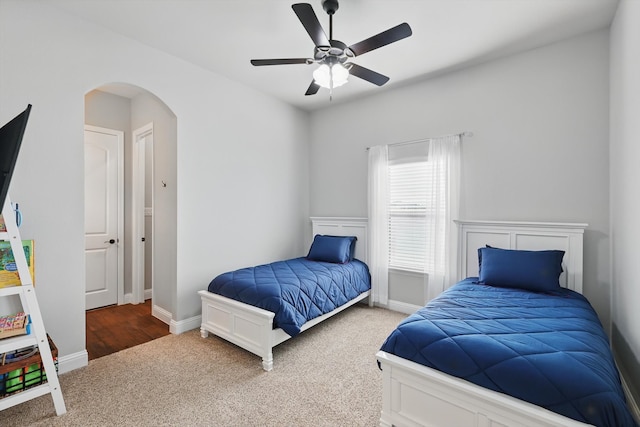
(251, 327)
(415, 395)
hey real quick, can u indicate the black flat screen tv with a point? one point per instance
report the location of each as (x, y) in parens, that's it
(10, 139)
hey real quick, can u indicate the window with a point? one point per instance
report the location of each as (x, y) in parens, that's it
(410, 207)
(413, 200)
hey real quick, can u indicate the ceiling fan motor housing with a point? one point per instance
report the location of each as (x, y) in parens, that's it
(330, 6)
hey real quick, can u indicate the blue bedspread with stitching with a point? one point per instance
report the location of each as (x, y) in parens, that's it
(296, 290)
(547, 349)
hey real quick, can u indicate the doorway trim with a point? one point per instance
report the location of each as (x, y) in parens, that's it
(120, 233)
(139, 212)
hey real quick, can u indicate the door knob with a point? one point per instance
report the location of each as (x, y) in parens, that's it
(112, 241)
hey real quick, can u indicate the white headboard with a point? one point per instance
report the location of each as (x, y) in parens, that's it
(526, 236)
(343, 226)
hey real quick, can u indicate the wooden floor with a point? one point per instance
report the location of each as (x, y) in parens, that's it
(114, 328)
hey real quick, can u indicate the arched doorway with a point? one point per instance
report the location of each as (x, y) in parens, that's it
(146, 267)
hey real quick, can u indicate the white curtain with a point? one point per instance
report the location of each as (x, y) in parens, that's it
(379, 223)
(444, 201)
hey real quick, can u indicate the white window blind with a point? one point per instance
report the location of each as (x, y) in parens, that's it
(410, 185)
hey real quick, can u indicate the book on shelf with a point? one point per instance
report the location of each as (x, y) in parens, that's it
(8, 270)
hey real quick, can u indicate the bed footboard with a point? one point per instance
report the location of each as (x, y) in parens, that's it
(246, 326)
(414, 395)
(251, 327)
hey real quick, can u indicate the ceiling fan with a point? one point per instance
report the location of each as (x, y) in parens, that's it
(333, 56)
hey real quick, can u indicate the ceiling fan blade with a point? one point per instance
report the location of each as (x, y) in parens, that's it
(309, 20)
(258, 62)
(394, 34)
(368, 75)
(313, 88)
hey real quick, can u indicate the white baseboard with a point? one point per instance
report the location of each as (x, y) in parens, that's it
(178, 327)
(402, 307)
(631, 402)
(162, 314)
(73, 361)
(128, 298)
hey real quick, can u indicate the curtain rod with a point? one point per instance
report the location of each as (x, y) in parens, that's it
(415, 141)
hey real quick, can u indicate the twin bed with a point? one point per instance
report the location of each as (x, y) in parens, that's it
(295, 294)
(513, 344)
(486, 352)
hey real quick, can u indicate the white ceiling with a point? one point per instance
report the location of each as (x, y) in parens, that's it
(223, 35)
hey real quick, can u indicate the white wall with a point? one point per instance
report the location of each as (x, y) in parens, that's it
(625, 200)
(242, 179)
(540, 150)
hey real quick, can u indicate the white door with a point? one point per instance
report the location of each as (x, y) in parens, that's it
(103, 151)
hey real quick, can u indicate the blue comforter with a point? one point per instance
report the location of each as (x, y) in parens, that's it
(296, 290)
(547, 349)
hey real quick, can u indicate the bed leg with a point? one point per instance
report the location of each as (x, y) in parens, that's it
(204, 333)
(267, 362)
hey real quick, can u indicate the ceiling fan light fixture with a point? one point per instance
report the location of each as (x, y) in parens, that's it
(331, 77)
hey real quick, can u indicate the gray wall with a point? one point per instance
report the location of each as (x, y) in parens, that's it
(539, 150)
(625, 176)
(146, 108)
(224, 189)
(109, 111)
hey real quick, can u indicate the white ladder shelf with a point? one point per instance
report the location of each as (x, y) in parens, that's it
(38, 335)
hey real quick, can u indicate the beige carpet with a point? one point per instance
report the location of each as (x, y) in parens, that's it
(328, 376)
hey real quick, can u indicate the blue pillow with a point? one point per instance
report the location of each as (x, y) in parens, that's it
(531, 270)
(336, 249)
(480, 259)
